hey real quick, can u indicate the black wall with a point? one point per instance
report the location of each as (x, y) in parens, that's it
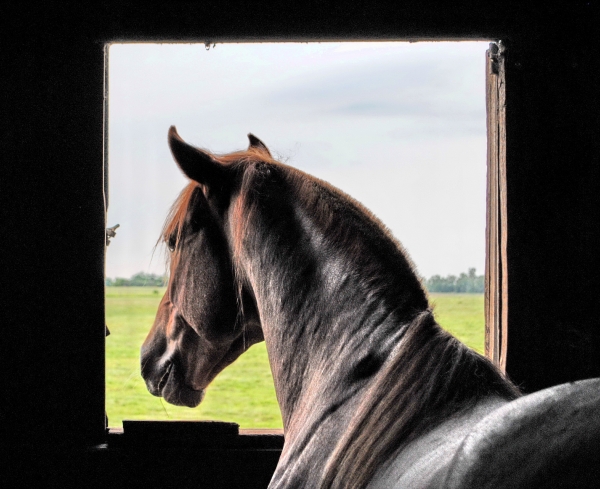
(51, 187)
(553, 185)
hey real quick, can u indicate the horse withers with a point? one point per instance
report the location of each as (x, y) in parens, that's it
(372, 391)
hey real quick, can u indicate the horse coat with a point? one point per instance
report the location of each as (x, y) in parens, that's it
(372, 391)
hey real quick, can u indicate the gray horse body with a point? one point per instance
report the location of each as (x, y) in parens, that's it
(425, 463)
(544, 440)
(372, 392)
(548, 439)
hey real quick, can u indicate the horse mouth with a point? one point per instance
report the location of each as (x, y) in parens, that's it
(173, 389)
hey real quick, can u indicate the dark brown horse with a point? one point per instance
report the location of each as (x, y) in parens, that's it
(372, 391)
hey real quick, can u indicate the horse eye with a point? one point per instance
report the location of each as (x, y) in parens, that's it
(172, 243)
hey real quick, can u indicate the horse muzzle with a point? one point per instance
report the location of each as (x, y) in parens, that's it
(168, 383)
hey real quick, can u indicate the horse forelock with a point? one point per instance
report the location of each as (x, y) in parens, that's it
(173, 225)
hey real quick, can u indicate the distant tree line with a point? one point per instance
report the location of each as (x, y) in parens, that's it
(469, 283)
(137, 280)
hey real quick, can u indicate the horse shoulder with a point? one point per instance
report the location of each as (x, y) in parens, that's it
(546, 439)
(423, 463)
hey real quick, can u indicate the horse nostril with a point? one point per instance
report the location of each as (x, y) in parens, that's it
(165, 377)
(155, 372)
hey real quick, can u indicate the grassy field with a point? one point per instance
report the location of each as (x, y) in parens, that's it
(243, 392)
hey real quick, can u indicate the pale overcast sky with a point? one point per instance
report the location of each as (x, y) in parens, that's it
(399, 126)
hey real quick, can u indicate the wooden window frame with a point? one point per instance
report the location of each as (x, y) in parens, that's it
(496, 267)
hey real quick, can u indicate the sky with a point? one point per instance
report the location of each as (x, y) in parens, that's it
(399, 126)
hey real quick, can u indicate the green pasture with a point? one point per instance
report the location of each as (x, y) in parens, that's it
(243, 392)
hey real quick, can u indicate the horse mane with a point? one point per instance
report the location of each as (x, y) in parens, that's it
(430, 377)
(329, 216)
(176, 217)
(387, 269)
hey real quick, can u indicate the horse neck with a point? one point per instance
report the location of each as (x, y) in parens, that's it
(334, 296)
(348, 333)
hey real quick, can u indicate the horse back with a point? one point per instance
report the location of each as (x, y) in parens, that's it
(424, 463)
(547, 439)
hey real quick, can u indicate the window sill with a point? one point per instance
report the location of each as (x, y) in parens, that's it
(199, 435)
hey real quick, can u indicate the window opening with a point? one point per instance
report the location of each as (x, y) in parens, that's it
(400, 127)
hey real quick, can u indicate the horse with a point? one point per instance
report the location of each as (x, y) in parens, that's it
(372, 391)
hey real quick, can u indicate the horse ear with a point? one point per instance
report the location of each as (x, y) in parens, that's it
(257, 143)
(196, 164)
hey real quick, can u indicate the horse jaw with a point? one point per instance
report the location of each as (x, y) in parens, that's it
(173, 387)
(180, 369)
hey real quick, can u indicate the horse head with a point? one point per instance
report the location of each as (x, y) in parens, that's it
(207, 317)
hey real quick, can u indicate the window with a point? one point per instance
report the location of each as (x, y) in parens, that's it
(392, 124)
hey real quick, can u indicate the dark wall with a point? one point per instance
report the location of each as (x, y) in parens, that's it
(53, 228)
(553, 185)
(51, 180)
